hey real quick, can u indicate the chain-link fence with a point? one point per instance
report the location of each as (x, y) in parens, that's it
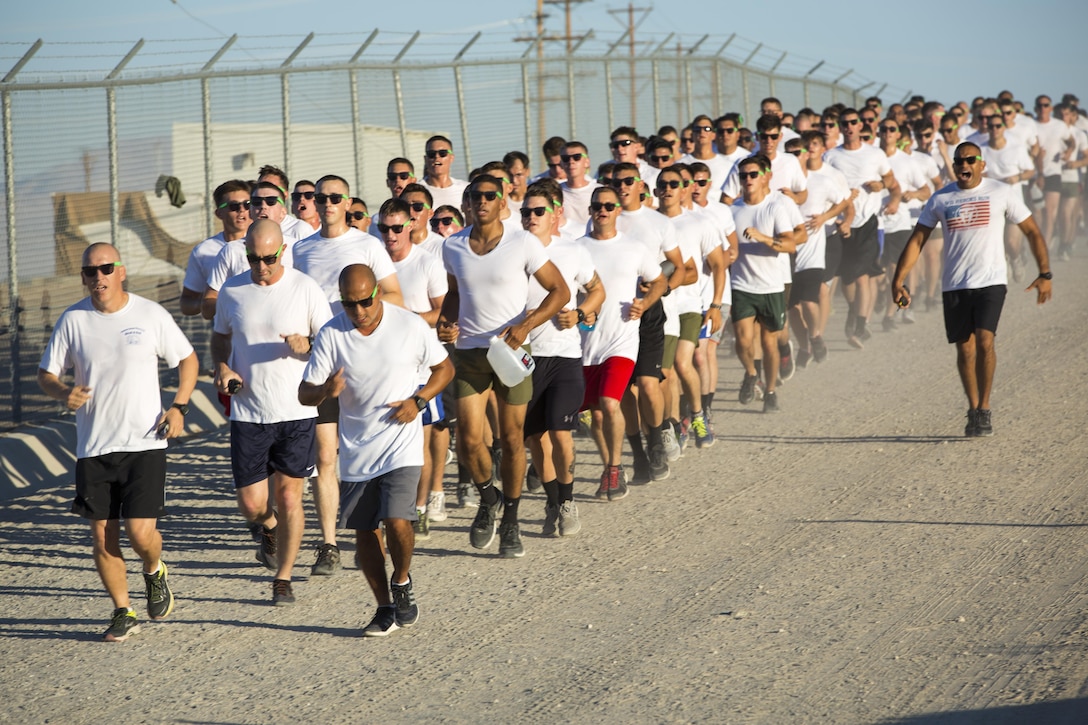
(99, 139)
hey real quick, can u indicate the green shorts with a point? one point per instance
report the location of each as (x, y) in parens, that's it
(1070, 189)
(668, 357)
(769, 309)
(690, 324)
(475, 376)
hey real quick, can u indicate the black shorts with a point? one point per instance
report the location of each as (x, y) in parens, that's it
(860, 252)
(257, 450)
(1052, 183)
(558, 390)
(832, 256)
(126, 484)
(651, 343)
(806, 286)
(329, 411)
(894, 244)
(967, 310)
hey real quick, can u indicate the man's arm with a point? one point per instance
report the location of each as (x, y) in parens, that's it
(911, 252)
(191, 302)
(72, 396)
(221, 347)
(391, 290)
(207, 305)
(451, 308)
(431, 315)
(551, 279)
(656, 289)
(187, 372)
(716, 261)
(590, 306)
(1039, 251)
(895, 193)
(783, 241)
(405, 411)
(680, 272)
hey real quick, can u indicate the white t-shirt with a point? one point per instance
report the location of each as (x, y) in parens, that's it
(911, 177)
(722, 218)
(1053, 136)
(823, 193)
(620, 263)
(973, 221)
(651, 228)
(421, 277)
(450, 195)
(1006, 162)
(861, 166)
(698, 236)
(839, 180)
(117, 356)
(201, 261)
(401, 346)
(1023, 132)
(1072, 176)
(576, 202)
(758, 269)
(255, 316)
(719, 164)
(786, 173)
(323, 259)
(232, 261)
(574, 263)
(494, 287)
(295, 229)
(433, 244)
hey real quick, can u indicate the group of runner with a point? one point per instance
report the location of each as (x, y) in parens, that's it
(347, 345)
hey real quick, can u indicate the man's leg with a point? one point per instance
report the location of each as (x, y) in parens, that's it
(1052, 201)
(689, 376)
(612, 429)
(770, 357)
(400, 539)
(472, 451)
(327, 485)
(512, 437)
(255, 506)
(745, 329)
(146, 541)
(967, 365)
(370, 558)
(109, 561)
(291, 522)
(985, 365)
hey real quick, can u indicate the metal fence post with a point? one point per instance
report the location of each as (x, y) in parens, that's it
(356, 127)
(461, 97)
(206, 117)
(526, 111)
(401, 121)
(285, 92)
(111, 126)
(608, 95)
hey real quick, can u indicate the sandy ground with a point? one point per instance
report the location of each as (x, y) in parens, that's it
(851, 560)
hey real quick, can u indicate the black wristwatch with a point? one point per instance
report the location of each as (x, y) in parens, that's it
(1046, 275)
(183, 407)
(581, 315)
(421, 402)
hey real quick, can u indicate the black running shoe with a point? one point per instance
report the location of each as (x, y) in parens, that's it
(641, 470)
(328, 560)
(384, 622)
(160, 600)
(770, 402)
(282, 596)
(266, 549)
(123, 625)
(510, 546)
(984, 423)
(819, 349)
(482, 532)
(747, 389)
(406, 613)
(659, 463)
(971, 429)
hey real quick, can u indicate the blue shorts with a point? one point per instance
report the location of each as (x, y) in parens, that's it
(257, 450)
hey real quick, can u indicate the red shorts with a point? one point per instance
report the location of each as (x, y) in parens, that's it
(607, 380)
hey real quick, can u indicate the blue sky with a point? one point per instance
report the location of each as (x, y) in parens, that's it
(943, 50)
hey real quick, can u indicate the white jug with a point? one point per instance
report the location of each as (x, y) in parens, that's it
(512, 366)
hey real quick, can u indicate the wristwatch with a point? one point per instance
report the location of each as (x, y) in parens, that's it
(421, 402)
(1046, 275)
(581, 315)
(183, 407)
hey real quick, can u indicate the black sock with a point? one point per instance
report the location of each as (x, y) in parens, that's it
(463, 475)
(676, 428)
(635, 442)
(708, 400)
(859, 326)
(655, 437)
(551, 492)
(783, 350)
(510, 510)
(489, 495)
(566, 491)
(759, 368)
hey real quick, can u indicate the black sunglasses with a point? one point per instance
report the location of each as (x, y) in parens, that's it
(395, 228)
(235, 206)
(966, 159)
(330, 198)
(266, 200)
(621, 142)
(669, 184)
(606, 205)
(770, 136)
(489, 195)
(402, 175)
(527, 212)
(443, 153)
(567, 158)
(364, 303)
(660, 159)
(749, 174)
(357, 215)
(616, 183)
(418, 206)
(700, 182)
(268, 259)
(93, 270)
(300, 195)
(731, 129)
(441, 221)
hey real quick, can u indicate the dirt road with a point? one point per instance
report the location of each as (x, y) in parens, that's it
(851, 560)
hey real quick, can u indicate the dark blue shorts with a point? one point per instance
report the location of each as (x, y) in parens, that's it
(257, 450)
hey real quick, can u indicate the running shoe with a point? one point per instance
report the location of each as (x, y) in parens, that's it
(266, 549)
(123, 625)
(672, 446)
(747, 389)
(282, 596)
(617, 483)
(819, 349)
(984, 425)
(482, 532)
(704, 437)
(420, 526)
(384, 622)
(569, 523)
(436, 506)
(770, 402)
(405, 611)
(160, 600)
(551, 520)
(786, 366)
(328, 560)
(510, 541)
(659, 464)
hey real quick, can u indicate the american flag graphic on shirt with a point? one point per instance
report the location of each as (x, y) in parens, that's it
(970, 215)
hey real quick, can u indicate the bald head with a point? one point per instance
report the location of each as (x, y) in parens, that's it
(356, 282)
(264, 237)
(101, 253)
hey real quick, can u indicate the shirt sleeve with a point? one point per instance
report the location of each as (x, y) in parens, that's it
(173, 346)
(928, 217)
(55, 358)
(731, 185)
(320, 310)
(320, 365)
(220, 269)
(1016, 211)
(536, 255)
(196, 277)
(438, 284)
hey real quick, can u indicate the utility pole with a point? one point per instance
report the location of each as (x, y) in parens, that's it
(631, 25)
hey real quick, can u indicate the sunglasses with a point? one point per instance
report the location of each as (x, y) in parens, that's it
(889, 129)
(567, 158)
(995, 124)
(796, 152)
(418, 206)
(441, 153)
(703, 129)
(928, 134)
(828, 124)
(330, 198)
(866, 137)
(1042, 105)
(527, 212)
(554, 166)
(235, 206)
(395, 228)
(402, 175)
(606, 205)
(266, 200)
(93, 270)
(745, 139)
(851, 121)
(442, 221)
(617, 182)
(749, 174)
(700, 182)
(669, 184)
(966, 159)
(868, 119)
(357, 215)
(686, 139)
(949, 130)
(489, 195)
(1008, 113)
(731, 129)
(364, 303)
(268, 259)
(660, 159)
(300, 195)
(770, 136)
(621, 142)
